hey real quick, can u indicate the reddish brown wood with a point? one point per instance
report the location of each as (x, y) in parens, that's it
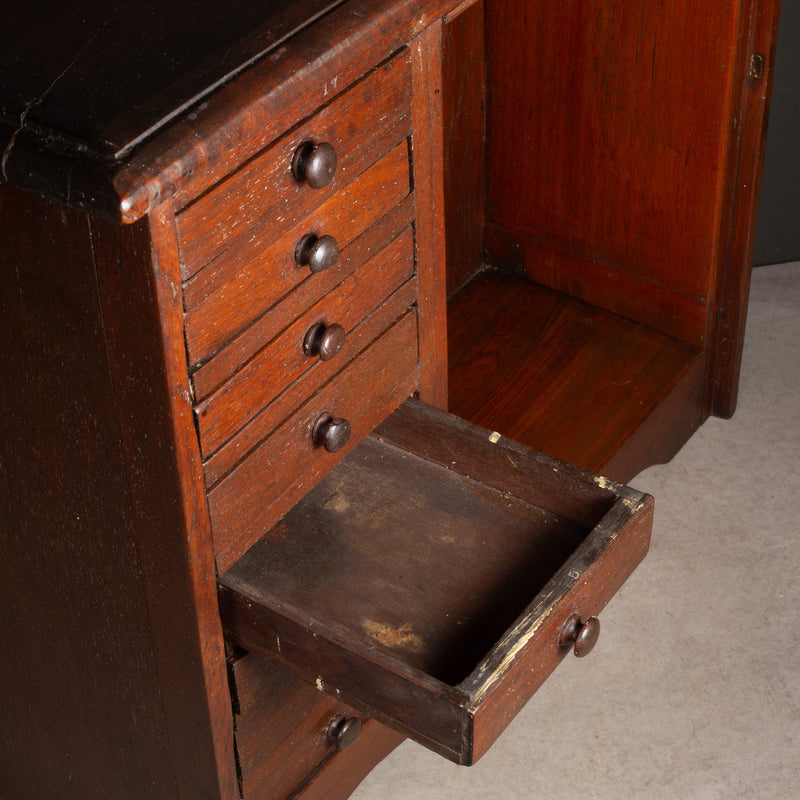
(675, 314)
(229, 294)
(746, 158)
(570, 379)
(427, 152)
(362, 124)
(427, 614)
(283, 360)
(220, 463)
(464, 104)
(600, 168)
(268, 99)
(237, 352)
(250, 500)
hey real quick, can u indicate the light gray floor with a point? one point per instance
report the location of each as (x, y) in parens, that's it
(693, 690)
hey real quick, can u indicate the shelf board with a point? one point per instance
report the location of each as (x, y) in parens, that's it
(569, 379)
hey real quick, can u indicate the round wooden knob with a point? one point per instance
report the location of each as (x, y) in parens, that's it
(581, 636)
(318, 253)
(343, 731)
(314, 164)
(331, 432)
(324, 340)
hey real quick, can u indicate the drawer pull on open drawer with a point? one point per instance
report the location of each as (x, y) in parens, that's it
(314, 164)
(580, 636)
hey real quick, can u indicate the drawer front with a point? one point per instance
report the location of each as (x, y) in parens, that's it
(285, 728)
(437, 576)
(280, 470)
(244, 213)
(228, 295)
(290, 355)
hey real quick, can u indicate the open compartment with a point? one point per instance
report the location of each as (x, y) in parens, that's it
(437, 576)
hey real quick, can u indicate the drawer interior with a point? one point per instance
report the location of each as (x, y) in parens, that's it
(427, 578)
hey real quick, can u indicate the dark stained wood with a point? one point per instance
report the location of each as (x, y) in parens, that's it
(567, 378)
(75, 608)
(115, 643)
(553, 143)
(138, 273)
(252, 498)
(153, 63)
(283, 360)
(415, 607)
(345, 769)
(279, 751)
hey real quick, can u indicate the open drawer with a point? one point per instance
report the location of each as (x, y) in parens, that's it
(437, 576)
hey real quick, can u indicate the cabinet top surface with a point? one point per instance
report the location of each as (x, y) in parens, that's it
(103, 76)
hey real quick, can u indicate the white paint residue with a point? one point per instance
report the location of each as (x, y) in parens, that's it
(494, 437)
(319, 684)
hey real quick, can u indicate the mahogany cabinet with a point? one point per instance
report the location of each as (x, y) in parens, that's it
(249, 260)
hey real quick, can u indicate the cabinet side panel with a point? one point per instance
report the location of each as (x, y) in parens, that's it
(608, 137)
(754, 70)
(139, 282)
(81, 707)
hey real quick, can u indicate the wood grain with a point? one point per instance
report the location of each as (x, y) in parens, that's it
(253, 497)
(283, 361)
(362, 124)
(430, 590)
(226, 296)
(114, 670)
(566, 378)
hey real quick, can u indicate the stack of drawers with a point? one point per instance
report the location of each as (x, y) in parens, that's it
(300, 297)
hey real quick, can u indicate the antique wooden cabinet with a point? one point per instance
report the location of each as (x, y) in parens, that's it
(249, 259)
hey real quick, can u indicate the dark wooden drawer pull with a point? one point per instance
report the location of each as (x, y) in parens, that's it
(314, 164)
(331, 432)
(318, 253)
(581, 636)
(324, 340)
(343, 731)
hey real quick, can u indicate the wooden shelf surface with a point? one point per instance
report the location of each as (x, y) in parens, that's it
(569, 379)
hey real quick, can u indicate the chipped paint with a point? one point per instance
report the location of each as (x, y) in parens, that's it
(319, 683)
(605, 483)
(495, 437)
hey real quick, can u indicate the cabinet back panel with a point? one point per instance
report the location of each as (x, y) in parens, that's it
(608, 134)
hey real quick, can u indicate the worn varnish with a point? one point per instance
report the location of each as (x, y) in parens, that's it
(159, 417)
(423, 584)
